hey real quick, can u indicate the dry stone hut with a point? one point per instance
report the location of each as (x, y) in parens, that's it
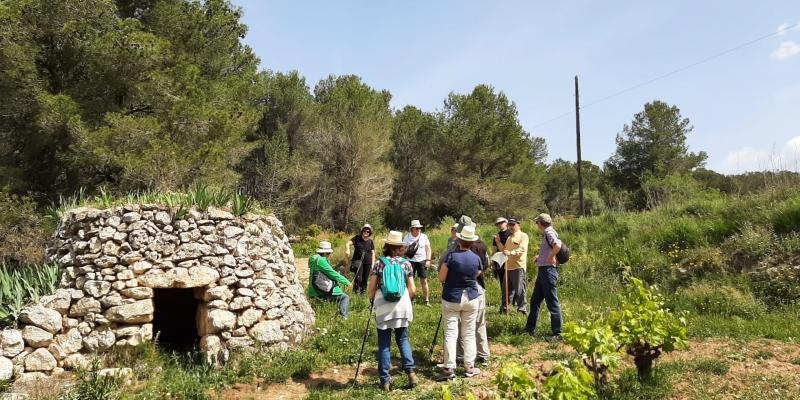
(132, 273)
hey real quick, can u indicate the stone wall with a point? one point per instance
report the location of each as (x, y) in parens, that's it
(241, 270)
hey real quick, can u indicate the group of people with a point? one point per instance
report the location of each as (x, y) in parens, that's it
(462, 271)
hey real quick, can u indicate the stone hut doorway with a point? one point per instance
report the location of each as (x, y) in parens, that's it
(174, 318)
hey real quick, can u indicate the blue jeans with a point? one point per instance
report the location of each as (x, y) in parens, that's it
(343, 301)
(545, 290)
(385, 351)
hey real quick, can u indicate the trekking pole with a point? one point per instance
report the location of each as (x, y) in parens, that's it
(363, 341)
(435, 336)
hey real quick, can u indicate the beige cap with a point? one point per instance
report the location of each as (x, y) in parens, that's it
(544, 218)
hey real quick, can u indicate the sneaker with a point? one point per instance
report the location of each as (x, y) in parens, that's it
(481, 360)
(469, 373)
(446, 375)
(555, 339)
(412, 379)
(427, 303)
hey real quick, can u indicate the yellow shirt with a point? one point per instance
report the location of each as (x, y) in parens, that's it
(517, 244)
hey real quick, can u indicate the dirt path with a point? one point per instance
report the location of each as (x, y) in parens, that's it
(767, 366)
(301, 266)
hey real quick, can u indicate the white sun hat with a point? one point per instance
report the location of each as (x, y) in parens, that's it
(416, 224)
(325, 247)
(395, 238)
(500, 220)
(467, 234)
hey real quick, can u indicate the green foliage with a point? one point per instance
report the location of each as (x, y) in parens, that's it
(18, 286)
(91, 385)
(779, 285)
(786, 217)
(644, 319)
(595, 342)
(242, 204)
(655, 144)
(568, 382)
(514, 381)
(711, 365)
(23, 230)
(722, 300)
(751, 246)
(561, 188)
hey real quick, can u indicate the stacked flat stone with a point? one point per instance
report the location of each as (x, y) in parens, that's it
(242, 271)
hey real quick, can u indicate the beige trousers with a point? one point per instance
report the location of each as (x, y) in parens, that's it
(460, 317)
(481, 337)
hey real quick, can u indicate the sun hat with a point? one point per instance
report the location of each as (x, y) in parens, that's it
(367, 226)
(455, 226)
(325, 247)
(467, 234)
(544, 218)
(415, 224)
(500, 220)
(395, 238)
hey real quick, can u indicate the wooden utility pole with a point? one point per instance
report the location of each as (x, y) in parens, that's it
(578, 142)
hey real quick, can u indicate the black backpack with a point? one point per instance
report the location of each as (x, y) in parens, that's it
(563, 254)
(411, 251)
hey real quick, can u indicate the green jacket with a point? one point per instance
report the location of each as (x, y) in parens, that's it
(320, 263)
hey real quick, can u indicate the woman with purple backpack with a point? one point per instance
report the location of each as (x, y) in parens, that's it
(391, 288)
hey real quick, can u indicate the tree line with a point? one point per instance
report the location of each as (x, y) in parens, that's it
(133, 95)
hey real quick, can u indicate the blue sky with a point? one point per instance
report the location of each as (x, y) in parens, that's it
(745, 106)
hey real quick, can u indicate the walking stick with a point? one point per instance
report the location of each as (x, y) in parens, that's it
(505, 272)
(435, 336)
(363, 341)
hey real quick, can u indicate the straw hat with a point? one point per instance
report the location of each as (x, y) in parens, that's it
(500, 220)
(467, 234)
(395, 238)
(415, 224)
(325, 247)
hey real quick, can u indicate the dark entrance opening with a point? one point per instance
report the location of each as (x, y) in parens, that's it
(174, 318)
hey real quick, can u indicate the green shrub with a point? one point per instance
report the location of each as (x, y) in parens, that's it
(18, 286)
(711, 299)
(90, 385)
(785, 217)
(701, 261)
(645, 327)
(23, 231)
(778, 285)
(752, 246)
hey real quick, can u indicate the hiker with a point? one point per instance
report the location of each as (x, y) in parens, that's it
(513, 284)
(324, 282)
(498, 258)
(481, 337)
(393, 315)
(460, 304)
(546, 278)
(418, 251)
(363, 257)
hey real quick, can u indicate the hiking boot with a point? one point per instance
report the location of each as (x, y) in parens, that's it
(555, 339)
(470, 372)
(481, 360)
(412, 379)
(385, 387)
(446, 375)
(427, 303)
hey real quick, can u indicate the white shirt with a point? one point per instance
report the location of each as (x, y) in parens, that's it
(421, 256)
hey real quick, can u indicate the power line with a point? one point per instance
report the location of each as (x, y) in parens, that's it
(657, 78)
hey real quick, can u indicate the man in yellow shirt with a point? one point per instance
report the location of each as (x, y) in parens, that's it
(514, 288)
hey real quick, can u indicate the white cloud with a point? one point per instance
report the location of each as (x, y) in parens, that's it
(783, 28)
(756, 159)
(785, 51)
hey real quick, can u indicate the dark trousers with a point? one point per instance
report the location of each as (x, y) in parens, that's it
(361, 279)
(517, 289)
(545, 290)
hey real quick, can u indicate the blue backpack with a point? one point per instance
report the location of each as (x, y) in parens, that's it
(393, 284)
